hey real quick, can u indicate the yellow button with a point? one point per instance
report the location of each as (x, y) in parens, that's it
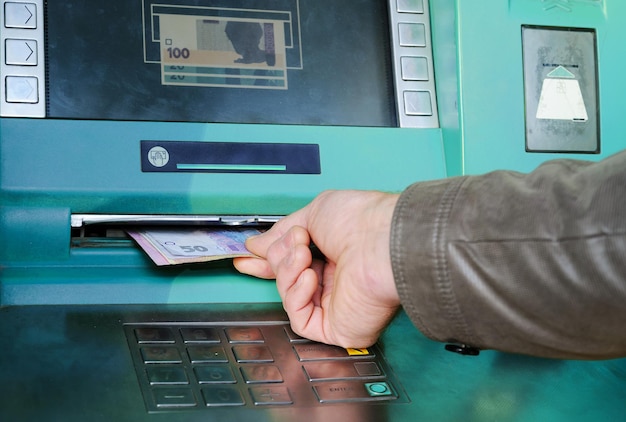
(358, 352)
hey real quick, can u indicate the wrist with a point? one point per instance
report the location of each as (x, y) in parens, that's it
(381, 275)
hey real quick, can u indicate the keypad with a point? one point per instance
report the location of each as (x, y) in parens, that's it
(207, 366)
(22, 66)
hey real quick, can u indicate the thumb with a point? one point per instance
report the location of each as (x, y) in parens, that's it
(259, 244)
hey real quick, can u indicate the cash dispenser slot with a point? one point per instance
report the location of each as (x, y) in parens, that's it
(109, 230)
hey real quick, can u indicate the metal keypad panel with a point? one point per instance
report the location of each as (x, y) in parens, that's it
(413, 63)
(22, 67)
(204, 366)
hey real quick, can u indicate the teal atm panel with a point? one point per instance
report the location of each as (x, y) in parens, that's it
(506, 53)
(216, 108)
(96, 166)
(53, 169)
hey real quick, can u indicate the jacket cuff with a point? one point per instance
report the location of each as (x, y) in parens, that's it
(419, 261)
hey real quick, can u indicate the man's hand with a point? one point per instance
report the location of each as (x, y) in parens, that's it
(350, 297)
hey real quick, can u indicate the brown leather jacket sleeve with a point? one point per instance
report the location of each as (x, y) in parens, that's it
(526, 263)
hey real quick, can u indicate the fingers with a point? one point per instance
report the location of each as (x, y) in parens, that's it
(289, 257)
(259, 245)
(256, 267)
(305, 315)
(284, 258)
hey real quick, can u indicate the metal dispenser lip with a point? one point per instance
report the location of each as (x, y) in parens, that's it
(81, 220)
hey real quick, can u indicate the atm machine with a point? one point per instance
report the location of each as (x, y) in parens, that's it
(120, 114)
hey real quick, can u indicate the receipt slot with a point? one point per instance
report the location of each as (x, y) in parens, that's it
(561, 90)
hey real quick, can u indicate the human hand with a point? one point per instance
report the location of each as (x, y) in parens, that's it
(349, 298)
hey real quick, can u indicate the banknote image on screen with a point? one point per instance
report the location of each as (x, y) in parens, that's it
(313, 62)
(222, 47)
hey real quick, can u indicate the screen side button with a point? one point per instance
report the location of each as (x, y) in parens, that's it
(22, 89)
(20, 52)
(418, 103)
(414, 68)
(412, 34)
(20, 15)
(411, 6)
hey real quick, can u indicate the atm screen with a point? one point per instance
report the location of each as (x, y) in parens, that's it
(322, 62)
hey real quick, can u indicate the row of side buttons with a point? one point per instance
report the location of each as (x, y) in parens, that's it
(413, 63)
(22, 66)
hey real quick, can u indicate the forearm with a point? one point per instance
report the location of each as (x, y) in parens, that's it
(524, 263)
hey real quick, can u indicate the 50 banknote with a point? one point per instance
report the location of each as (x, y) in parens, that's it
(167, 246)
